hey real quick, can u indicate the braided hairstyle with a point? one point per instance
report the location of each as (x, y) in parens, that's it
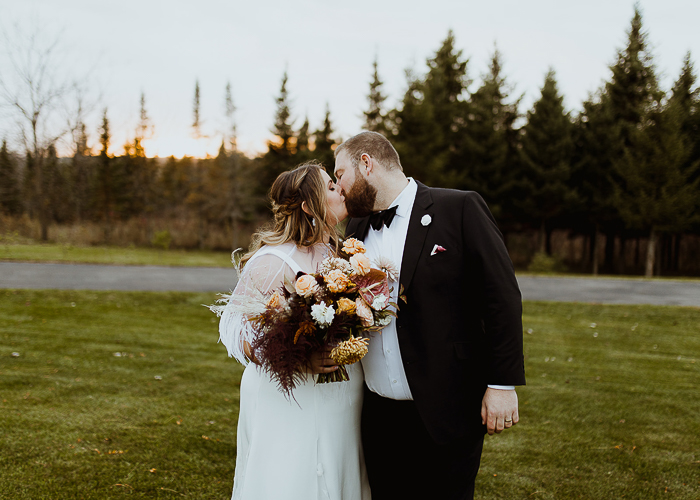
(292, 191)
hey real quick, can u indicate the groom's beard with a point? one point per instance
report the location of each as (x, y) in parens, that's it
(359, 201)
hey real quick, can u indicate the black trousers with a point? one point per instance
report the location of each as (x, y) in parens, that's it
(403, 461)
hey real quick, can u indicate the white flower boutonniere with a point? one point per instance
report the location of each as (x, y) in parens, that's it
(426, 220)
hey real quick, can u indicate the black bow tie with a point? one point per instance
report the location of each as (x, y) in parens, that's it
(382, 218)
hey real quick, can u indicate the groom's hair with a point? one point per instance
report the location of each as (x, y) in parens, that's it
(373, 144)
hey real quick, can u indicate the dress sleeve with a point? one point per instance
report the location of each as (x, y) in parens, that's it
(258, 280)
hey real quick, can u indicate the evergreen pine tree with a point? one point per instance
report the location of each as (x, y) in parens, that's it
(427, 130)
(546, 154)
(415, 137)
(605, 131)
(374, 116)
(29, 185)
(656, 192)
(216, 188)
(105, 177)
(487, 153)
(172, 185)
(685, 104)
(303, 136)
(10, 201)
(280, 150)
(444, 87)
(196, 120)
(50, 179)
(81, 179)
(594, 135)
(685, 100)
(633, 89)
(634, 95)
(324, 142)
(237, 179)
(198, 200)
(142, 178)
(55, 189)
(143, 129)
(283, 129)
(81, 143)
(242, 180)
(230, 111)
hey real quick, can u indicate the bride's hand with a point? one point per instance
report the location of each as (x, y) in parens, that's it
(249, 353)
(321, 362)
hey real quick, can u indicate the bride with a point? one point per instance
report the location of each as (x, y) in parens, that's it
(309, 448)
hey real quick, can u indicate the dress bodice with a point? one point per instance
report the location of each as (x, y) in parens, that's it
(264, 273)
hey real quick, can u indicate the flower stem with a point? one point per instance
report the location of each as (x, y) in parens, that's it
(339, 375)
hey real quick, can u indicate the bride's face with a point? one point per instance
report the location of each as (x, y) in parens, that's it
(334, 200)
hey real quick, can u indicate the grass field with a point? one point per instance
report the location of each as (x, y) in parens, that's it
(51, 252)
(611, 409)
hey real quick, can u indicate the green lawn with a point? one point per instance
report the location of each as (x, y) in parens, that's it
(609, 411)
(80, 422)
(611, 408)
(51, 252)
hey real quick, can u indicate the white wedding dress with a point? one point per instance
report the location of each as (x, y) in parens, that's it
(286, 450)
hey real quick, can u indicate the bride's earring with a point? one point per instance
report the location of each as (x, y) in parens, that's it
(308, 213)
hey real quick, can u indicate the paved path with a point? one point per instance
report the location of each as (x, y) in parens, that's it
(206, 279)
(611, 291)
(102, 277)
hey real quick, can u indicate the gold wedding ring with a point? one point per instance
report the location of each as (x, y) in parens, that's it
(508, 420)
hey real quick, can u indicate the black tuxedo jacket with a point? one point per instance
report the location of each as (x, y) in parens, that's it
(460, 327)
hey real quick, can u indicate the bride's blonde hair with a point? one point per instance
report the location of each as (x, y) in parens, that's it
(291, 189)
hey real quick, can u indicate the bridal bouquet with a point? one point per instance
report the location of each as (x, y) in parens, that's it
(333, 307)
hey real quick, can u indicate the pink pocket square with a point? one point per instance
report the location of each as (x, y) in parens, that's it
(437, 249)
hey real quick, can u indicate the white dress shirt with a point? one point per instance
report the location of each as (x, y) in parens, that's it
(383, 366)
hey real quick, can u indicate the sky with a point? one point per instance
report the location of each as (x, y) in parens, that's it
(162, 47)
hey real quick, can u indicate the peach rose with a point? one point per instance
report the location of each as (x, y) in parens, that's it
(346, 305)
(306, 285)
(336, 280)
(275, 300)
(360, 264)
(351, 246)
(364, 312)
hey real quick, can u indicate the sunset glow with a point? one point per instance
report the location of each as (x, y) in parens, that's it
(181, 145)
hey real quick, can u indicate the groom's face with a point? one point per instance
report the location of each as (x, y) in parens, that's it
(360, 195)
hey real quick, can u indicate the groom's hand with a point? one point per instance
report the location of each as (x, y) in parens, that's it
(499, 410)
(321, 362)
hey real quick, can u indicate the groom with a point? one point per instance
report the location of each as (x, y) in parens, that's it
(443, 373)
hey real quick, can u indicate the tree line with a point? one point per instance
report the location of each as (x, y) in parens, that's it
(623, 169)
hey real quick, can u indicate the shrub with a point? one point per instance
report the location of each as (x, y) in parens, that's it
(546, 264)
(162, 239)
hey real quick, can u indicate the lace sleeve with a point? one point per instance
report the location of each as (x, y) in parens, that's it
(259, 279)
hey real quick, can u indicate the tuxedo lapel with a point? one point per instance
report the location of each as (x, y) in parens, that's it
(415, 236)
(357, 228)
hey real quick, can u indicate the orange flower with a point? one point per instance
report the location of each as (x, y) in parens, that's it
(275, 300)
(306, 285)
(351, 246)
(364, 312)
(360, 264)
(336, 280)
(346, 305)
